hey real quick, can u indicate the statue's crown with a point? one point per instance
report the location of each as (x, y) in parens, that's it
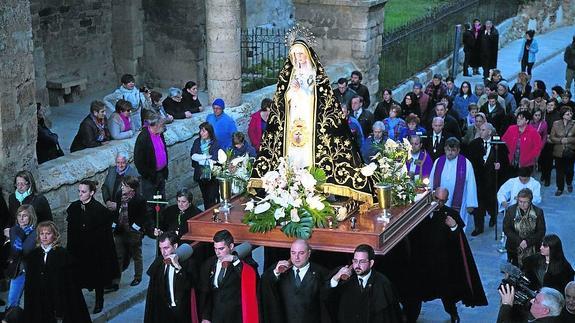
(299, 32)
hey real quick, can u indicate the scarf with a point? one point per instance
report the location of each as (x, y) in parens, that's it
(205, 146)
(21, 196)
(461, 171)
(122, 172)
(100, 125)
(127, 124)
(123, 219)
(525, 223)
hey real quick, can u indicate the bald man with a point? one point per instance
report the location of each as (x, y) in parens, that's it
(294, 290)
(568, 313)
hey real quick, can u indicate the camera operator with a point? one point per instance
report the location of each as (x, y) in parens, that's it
(545, 307)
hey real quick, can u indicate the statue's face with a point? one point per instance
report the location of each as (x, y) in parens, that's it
(299, 54)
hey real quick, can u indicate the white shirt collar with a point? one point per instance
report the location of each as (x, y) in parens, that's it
(302, 271)
(365, 278)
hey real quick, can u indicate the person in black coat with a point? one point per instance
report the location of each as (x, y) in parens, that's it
(494, 112)
(381, 110)
(489, 44)
(93, 131)
(489, 162)
(360, 294)
(468, 41)
(548, 268)
(443, 265)
(363, 116)
(47, 145)
(51, 290)
(175, 105)
(295, 291)
(190, 97)
(175, 217)
(27, 193)
(151, 158)
(160, 306)
(130, 222)
(91, 243)
(228, 285)
(531, 220)
(204, 151)
(434, 143)
(111, 185)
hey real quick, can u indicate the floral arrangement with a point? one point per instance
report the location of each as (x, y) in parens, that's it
(237, 170)
(292, 201)
(388, 167)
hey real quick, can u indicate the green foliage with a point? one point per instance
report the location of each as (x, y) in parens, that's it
(301, 229)
(262, 74)
(401, 12)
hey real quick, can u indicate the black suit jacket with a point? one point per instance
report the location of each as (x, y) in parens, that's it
(485, 169)
(436, 152)
(157, 298)
(222, 304)
(283, 302)
(366, 121)
(378, 301)
(496, 117)
(136, 215)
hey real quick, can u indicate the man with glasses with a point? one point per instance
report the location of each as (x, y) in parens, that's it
(443, 265)
(361, 294)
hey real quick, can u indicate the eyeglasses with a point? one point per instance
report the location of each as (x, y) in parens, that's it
(360, 261)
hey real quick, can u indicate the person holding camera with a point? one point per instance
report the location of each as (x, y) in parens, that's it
(545, 307)
(524, 226)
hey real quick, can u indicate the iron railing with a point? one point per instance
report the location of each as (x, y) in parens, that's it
(422, 42)
(263, 54)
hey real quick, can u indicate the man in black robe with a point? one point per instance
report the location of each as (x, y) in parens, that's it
(228, 285)
(362, 295)
(295, 291)
(490, 162)
(489, 47)
(170, 292)
(444, 266)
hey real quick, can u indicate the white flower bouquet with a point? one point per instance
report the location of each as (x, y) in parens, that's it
(237, 170)
(292, 201)
(388, 167)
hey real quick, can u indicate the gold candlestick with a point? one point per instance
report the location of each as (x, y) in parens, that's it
(225, 193)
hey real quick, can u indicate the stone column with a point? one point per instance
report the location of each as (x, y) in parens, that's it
(346, 30)
(18, 123)
(223, 22)
(127, 38)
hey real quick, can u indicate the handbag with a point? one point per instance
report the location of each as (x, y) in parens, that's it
(567, 151)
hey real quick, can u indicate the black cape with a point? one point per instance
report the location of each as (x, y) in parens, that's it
(51, 289)
(282, 302)
(91, 244)
(157, 298)
(378, 302)
(443, 264)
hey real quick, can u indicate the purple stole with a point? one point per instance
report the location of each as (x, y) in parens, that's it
(421, 158)
(457, 195)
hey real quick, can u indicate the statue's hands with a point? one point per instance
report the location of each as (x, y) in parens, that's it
(295, 85)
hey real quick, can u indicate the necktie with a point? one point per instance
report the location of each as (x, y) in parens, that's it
(221, 276)
(485, 147)
(435, 141)
(167, 282)
(361, 284)
(297, 278)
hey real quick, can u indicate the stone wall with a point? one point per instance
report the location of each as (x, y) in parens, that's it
(128, 38)
(267, 13)
(17, 109)
(347, 30)
(541, 16)
(73, 38)
(174, 50)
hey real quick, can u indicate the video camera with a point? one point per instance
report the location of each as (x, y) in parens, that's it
(516, 278)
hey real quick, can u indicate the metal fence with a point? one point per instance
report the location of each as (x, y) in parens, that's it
(263, 54)
(422, 42)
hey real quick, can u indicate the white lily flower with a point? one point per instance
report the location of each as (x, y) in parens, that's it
(294, 216)
(341, 213)
(238, 160)
(279, 213)
(308, 181)
(314, 201)
(250, 205)
(261, 208)
(368, 170)
(222, 157)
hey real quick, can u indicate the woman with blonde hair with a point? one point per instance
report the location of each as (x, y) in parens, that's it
(52, 293)
(521, 89)
(22, 241)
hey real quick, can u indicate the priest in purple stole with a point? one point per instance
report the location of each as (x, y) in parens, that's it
(454, 172)
(419, 164)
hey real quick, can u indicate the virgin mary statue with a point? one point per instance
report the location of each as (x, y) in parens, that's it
(307, 126)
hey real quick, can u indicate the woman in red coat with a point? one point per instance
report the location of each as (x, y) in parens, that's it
(258, 123)
(523, 142)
